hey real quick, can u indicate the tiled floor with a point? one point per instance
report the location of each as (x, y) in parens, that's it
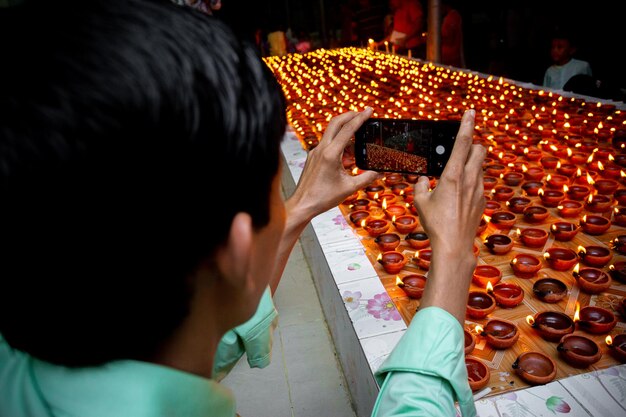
(304, 378)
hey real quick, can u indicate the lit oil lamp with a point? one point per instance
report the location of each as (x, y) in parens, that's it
(387, 241)
(376, 227)
(392, 261)
(406, 223)
(422, 258)
(570, 208)
(387, 198)
(619, 216)
(499, 333)
(482, 226)
(531, 188)
(578, 192)
(606, 186)
(557, 181)
(567, 170)
(551, 325)
(489, 182)
(535, 214)
(401, 188)
(502, 193)
(351, 198)
(549, 162)
(578, 158)
(611, 171)
(477, 373)
(533, 238)
(550, 290)
(618, 272)
(469, 341)
(485, 274)
(394, 210)
(491, 206)
(619, 244)
(360, 204)
(357, 217)
(591, 280)
(412, 284)
(498, 244)
(480, 304)
(376, 212)
(594, 225)
(620, 196)
(535, 368)
(533, 154)
(579, 351)
(551, 198)
(561, 259)
(534, 174)
(595, 320)
(494, 170)
(392, 179)
(513, 179)
(518, 204)
(617, 346)
(374, 190)
(418, 240)
(503, 220)
(596, 256)
(507, 294)
(525, 265)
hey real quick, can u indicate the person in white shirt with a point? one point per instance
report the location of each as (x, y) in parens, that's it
(564, 66)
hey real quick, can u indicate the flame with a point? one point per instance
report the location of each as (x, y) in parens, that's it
(518, 232)
(590, 180)
(540, 192)
(489, 286)
(565, 188)
(584, 218)
(514, 261)
(478, 329)
(384, 204)
(525, 151)
(576, 269)
(600, 166)
(500, 155)
(611, 158)
(577, 313)
(609, 340)
(590, 159)
(363, 223)
(355, 171)
(546, 255)
(549, 177)
(501, 176)
(487, 218)
(581, 249)
(376, 196)
(393, 218)
(558, 165)
(622, 174)
(554, 227)
(379, 257)
(612, 267)
(569, 152)
(399, 282)
(524, 168)
(530, 320)
(579, 172)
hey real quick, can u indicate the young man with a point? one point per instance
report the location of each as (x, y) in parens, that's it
(120, 269)
(564, 66)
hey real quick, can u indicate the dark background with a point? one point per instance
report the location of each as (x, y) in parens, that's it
(503, 38)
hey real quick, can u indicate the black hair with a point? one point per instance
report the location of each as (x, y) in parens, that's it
(131, 133)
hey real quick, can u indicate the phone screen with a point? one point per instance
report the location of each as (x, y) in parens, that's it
(407, 146)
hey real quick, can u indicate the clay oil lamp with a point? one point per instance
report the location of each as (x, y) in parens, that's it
(418, 240)
(586, 177)
(556, 181)
(596, 256)
(567, 169)
(619, 244)
(489, 182)
(564, 231)
(578, 158)
(570, 208)
(594, 225)
(405, 224)
(598, 203)
(535, 368)
(480, 304)
(592, 280)
(503, 219)
(374, 190)
(620, 196)
(422, 258)
(412, 284)
(606, 186)
(502, 193)
(392, 261)
(499, 333)
(469, 340)
(357, 217)
(518, 204)
(498, 244)
(376, 212)
(507, 294)
(578, 192)
(360, 204)
(387, 241)
(394, 210)
(387, 198)
(535, 214)
(579, 351)
(525, 265)
(551, 198)
(531, 188)
(534, 174)
(533, 154)
(617, 346)
(477, 373)
(619, 216)
(412, 178)
(560, 259)
(491, 206)
(549, 290)
(513, 179)
(376, 227)
(351, 198)
(393, 178)
(595, 320)
(482, 226)
(551, 325)
(549, 162)
(401, 188)
(533, 238)
(484, 274)
(508, 158)
(618, 272)
(611, 172)
(494, 170)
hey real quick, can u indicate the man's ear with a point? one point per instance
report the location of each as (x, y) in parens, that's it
(233, 257)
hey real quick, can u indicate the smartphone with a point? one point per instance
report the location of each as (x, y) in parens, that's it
(407, 146)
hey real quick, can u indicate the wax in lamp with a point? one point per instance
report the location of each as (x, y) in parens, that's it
(549, 290)
(406, 223)
(503, 219)
(561, 259)
(499, 244)
(477, 373)
(579, 351)
(525, 265)
(594, 225)
(480, 304)
(387, 241)
(570, 208)
(392, 261)
(507, 294)
(412, 284)
(418, 240)
(518, 204)
(617, 346)
(499, 333)
(551, 325)
(595, 320)
(596, 256)
(591, 280)
(376, 227)
(535, 214)
(422, 258)
(564, 231)
(533, 238)
(535, 368)
(484, 274)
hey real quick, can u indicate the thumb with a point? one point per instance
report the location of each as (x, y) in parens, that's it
(366, 178)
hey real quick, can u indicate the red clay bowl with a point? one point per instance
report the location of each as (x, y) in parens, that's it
(535, 214)
(376, 227)
(564, 231)
(579, 351)
(535, 368)
(486, 273)
(596, 320)
(618, 271)
(617, 348)
(405, 224)
(393, 261)
(470, 341)
(413, 285)
(534, 238)
(500, 333)
(531, 188)
(502, 193)
(507, 294)
(503, 219)
(570, 208)
(596, 256)
(525, 265)
(550, 290)
(422, 258)
(518, 204)
(478, 374)
(499, 244)
(561, 259)
(480, 304)
(592, 280)
(418, 240)
(595, 225)
(553, 325)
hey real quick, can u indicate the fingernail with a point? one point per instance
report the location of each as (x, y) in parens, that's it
(368, 109)
(471, 112)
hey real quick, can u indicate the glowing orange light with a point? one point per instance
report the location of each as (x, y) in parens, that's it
(478, 329)
(530, 320)
(399, 282)
(576, 269)
(379, 257)
(577, 313)
(609, 340)
(581, 249)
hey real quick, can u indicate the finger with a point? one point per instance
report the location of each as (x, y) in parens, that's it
(335, 125)
(366, 178)
(462, 146)
(474, 164)
(343, 136)
(421, 188)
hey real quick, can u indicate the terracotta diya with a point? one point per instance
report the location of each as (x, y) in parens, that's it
(394, 210)
(551, 325)
(534, 238)
(535, 214)
(618, 271)
(598, 203)
(422, 258)
(503, 219)
(617, 346)
(480, 304)
(531, 188)
(486, 273)
(579, 351)
(376, 227)
(606, 186)
(418, 240)
(477, 373)
(491, 206)
(360, 204)
(469, 340)
(412, 284)
(578, 192)
(592, 280)
(489, 182)
(561, 259)
(507, 294)
(619, 244)
(619, 216)
(550, 290)
(596, 256)
(535, 368)
(525, 265)
(594, 225)
(620, 195)
(387, 241)
(570, 208)
(374, 190)
(513, 179)
(518, 204)
(392, 261)
(500, 333)
(502, 193)
(596, 320)
(405, 224)
(564, 231)
(357, 217)
(499, 244)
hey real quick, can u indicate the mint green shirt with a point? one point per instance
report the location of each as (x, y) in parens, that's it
(426, 371)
